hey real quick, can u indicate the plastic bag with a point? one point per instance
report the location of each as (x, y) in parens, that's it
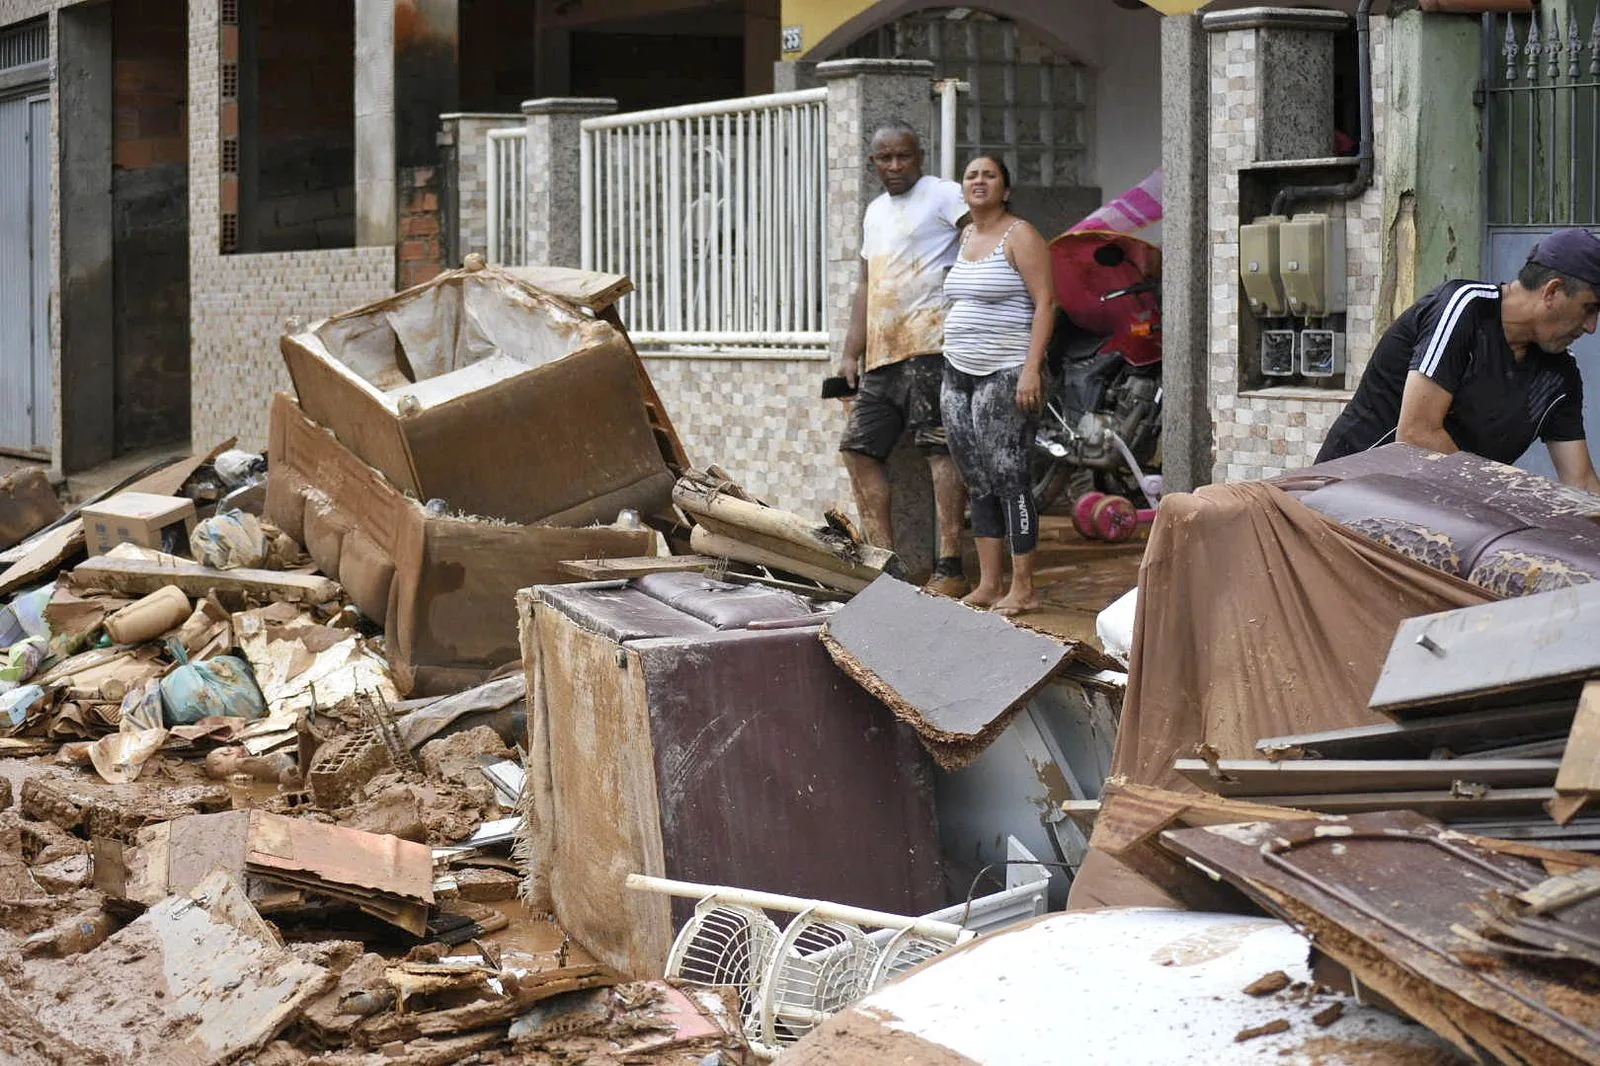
(23, 617)
(222, 687)
(229, 541)
(235, 467)
(21, 661)
(141, 706)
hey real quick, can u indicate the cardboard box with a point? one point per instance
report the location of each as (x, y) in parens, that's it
(138, 518)
(502, 400)
(443, 587)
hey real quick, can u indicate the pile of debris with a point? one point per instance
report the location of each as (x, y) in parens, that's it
(263, 735)
(1385, 735)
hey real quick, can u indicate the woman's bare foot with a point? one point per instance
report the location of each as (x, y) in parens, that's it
(982, 596)
(1014, 603)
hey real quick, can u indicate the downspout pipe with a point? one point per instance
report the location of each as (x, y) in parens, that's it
(1291, 195)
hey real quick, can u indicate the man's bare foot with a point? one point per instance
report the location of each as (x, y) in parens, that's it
(981, 597)
(1011, 605)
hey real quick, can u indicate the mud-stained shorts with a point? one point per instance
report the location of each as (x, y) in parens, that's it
(893, 399)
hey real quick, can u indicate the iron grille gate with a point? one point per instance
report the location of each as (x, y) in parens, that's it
(1542, 118)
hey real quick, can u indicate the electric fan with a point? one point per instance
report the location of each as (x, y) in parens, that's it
(730, 945)
(821, 966)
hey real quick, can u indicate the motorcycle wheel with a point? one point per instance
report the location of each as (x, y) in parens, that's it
(1056, 479)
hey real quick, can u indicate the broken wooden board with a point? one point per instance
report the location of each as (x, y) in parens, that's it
(1527, 649)
(27, 503)
(1259, 777)
(1580, 765)
(705, 542)
(521, 991)
(955, 674)
(1443, 804)
(1386, 896)
(1132, 817)
(586, 288)
(183, 984)
(139, 575)
(46, 552)
(383, 875)
(636, 566)
(1462, 734)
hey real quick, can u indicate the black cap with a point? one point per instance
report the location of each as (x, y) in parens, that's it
(1574, 252)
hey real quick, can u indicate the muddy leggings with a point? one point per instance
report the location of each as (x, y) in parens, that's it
(990, 440)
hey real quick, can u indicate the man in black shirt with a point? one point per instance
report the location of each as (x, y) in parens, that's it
(1485, 368)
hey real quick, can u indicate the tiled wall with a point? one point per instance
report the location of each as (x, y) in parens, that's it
(763, 422)
(470, 134)
(238, 302)
(1268, 432)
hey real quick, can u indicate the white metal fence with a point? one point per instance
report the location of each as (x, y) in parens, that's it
(718, 212)
(507, 196)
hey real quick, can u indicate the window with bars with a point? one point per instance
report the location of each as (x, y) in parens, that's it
(230, 81)
(25, 44)
(1026, 104)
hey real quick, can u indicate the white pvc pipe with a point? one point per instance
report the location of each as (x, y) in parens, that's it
(947, 128)
(947, 931)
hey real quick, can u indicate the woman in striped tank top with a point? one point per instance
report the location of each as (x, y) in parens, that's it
(999, 311)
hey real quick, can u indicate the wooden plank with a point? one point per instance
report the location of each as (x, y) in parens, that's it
(954, 674)
(1258, 777)
(1459, 733)
(587, 288)
(140, 577)
(1580, 766)
(1529, 648)
(636, 566)
(1443, 805)
(1380, 898)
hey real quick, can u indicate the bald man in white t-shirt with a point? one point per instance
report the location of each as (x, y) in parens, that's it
(909, 238)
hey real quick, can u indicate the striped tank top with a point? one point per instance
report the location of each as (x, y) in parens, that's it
(988, 319)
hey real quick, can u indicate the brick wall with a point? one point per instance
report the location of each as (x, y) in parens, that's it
(1265, 432)
(301, 193)
(421, 253)
(238, 302)
(150, 194)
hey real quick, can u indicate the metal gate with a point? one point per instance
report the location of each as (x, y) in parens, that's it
(1542, 152)
(26, 394)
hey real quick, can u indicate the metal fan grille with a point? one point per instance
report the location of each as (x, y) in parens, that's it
(729, 946)
(821, 968)
(906, 950)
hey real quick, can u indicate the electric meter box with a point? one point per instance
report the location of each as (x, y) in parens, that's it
(1321, 353)
(1277, 353)
(1311, 264)
(1258, 265)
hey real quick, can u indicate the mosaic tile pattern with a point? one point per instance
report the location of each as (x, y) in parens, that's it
(471, 136)
(761, 420)
(237, 303)
(1263, 434)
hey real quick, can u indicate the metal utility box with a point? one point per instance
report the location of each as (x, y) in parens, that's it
(1312, 264)
(689, 728)
(1258, 265)
(1277, 353)
(1321, 353)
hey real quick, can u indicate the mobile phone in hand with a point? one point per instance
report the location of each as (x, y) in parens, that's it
(837, 388)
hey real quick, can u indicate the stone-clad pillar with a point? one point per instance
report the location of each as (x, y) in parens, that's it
(376, 193)
(863, 94)
(1293, 75)
(1185, 254)
(554, 184)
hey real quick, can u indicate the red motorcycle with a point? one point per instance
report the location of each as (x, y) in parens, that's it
(1099, 438)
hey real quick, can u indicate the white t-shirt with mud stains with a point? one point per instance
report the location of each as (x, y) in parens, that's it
(909, 241)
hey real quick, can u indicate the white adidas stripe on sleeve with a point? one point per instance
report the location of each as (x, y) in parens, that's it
(1447, 324)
